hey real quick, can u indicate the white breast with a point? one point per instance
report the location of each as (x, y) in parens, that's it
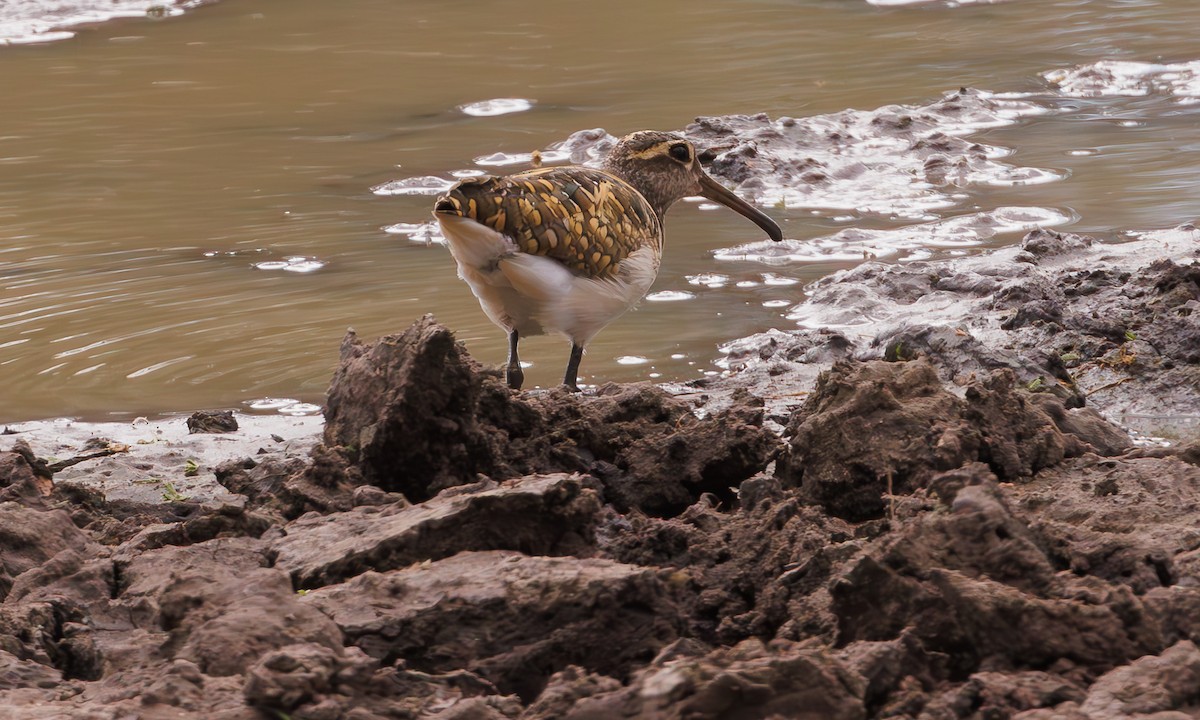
(533, 294)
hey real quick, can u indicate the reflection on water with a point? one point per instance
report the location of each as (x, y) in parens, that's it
(191, 215)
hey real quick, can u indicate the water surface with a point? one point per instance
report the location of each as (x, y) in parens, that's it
(186, 214)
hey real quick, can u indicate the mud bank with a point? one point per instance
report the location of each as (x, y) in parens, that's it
(927, 516)
(925, 502)
(1109, 325)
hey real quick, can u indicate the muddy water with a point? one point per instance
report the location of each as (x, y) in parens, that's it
(186, 214)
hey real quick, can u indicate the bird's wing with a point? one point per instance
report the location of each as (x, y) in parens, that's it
(588, 220)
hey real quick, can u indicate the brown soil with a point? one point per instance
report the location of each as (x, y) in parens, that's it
(927, 536)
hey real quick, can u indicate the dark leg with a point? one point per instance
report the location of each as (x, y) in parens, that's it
(573, 368)
(513, 373)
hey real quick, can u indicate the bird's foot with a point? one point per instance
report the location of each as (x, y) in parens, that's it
(572, 387)
(514, 376)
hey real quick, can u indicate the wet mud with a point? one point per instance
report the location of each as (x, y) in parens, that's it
(924, 503)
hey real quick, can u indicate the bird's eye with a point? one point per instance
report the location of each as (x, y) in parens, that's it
(681, 152)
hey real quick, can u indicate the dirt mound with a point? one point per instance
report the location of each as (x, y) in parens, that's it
(870, 429)
(414, 414)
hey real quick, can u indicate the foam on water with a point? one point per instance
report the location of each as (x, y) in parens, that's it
(896, 161)
(1182, 234)
(496, 106)
(284, 406)
(423, 185)
(293, 263)
(584, 147)
(35, 21)
(427, 232)
(670, 296)
(908, 242)
(1109, 78)
(710, 280)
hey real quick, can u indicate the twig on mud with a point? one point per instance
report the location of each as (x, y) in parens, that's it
(891, 498)
(1109, 385)
(111, 449)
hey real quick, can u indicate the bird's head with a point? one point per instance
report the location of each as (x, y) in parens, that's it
(664, 168)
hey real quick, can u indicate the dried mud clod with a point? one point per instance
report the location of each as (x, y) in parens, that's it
(212, 421)
(870, 429)
(414, 414)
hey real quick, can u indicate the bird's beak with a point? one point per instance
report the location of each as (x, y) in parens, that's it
(716, 192)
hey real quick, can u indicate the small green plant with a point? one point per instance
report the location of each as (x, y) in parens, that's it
(1035, 384)
(1068, 357)
(170, 494)
(1130, 336)
(191, 468)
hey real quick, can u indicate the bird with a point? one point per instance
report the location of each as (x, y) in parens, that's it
(568, 249)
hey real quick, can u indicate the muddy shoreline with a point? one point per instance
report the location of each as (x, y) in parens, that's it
(929, 514)
(958, 488)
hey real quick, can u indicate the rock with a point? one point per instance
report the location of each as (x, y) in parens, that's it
(207, 524)
(538, 514)
(258, 481)
(874, 603)
(74, 574)
(1163, 687)
(980, 623)
(212, 421)
(180, 685)
(177, 588)
(513, 619)
(1019, 438)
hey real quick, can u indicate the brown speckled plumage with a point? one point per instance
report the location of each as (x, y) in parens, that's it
(586, 219)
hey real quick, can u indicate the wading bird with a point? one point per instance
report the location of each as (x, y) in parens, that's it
(569, 249)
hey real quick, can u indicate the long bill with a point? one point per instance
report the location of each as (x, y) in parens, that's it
(717, 192)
